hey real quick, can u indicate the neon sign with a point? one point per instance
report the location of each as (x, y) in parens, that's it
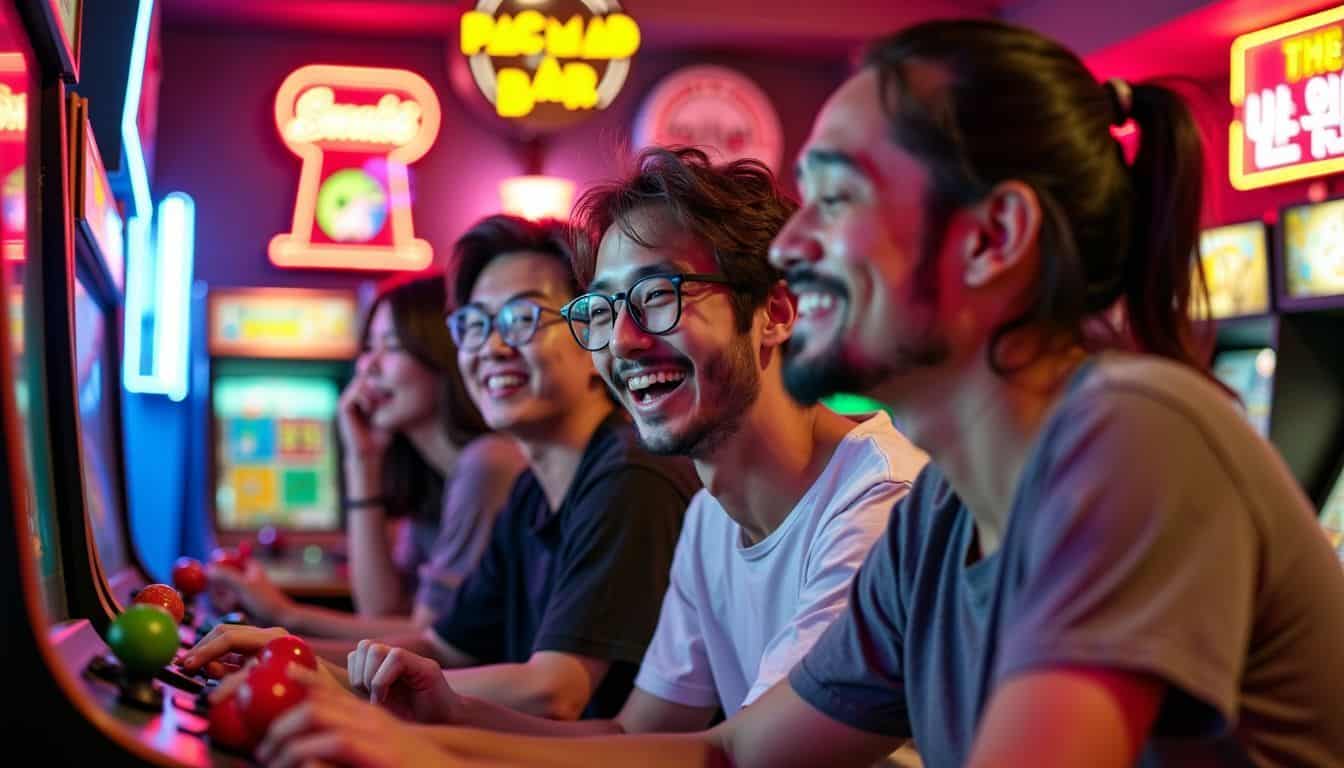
(158, 300)
(1288, 90)
(356, 130)
(530, 64)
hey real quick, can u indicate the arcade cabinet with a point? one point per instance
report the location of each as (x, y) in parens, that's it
(58, 607)
(1309, 397)
(278, 359)
(1235, 261)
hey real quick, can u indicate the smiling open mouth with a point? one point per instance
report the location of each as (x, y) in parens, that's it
(651, 388)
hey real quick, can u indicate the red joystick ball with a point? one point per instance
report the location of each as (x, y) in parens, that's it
(164, 597)
(268, 693)
(229, 558)
(288, 649)
(189, 576)
(227, 728)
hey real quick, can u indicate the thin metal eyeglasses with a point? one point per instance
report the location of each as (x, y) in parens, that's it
(517, 322)
(654, 303)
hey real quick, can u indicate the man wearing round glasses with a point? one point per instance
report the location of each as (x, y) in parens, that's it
(686, 321)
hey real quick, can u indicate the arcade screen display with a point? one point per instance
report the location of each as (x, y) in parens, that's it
(1249, 373)
(96, 385)
(1236, 269)
(275, 452)
(1332, 515)
(16, 85)
(1313, 249)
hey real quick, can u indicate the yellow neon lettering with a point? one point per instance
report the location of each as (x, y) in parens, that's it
(527, 26)
(317, 117)
(622, 36)
(502, 40)
(580, 86)
(595, 40)
(13, 110)
(475, 31)
(513, 96)
(564, 41)
(549, 82)
(1316, 53)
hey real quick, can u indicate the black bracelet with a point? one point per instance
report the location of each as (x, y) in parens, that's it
(372, 501)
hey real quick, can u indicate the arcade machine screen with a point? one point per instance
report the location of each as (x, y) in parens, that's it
(1332, 515)
(275, 452)
(1313, 243)
(16, 86)
(1249, 373)
(1236, 269)
(95, 386)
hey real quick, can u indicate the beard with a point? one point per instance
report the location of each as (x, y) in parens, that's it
(740, 384)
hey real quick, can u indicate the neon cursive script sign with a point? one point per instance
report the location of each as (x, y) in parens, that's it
(317, 117)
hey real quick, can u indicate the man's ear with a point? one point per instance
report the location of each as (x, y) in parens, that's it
(1007, 224)
(781, 311)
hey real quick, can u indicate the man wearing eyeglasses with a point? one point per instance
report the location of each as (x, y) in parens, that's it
(686, 321)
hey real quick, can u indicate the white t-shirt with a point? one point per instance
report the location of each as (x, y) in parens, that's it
(735, 619)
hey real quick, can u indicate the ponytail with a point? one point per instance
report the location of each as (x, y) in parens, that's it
(1167, 178)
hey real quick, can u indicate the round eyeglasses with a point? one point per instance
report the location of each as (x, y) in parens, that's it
(654, 303)
(517, 322)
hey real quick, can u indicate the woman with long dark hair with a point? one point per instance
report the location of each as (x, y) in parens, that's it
(418, 459)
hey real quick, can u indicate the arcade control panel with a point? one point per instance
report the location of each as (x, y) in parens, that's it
(133, 674)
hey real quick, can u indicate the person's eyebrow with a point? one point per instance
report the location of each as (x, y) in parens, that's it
(607, 285)
(816, 157)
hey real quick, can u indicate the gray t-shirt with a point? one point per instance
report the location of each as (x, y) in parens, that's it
(1152, 531)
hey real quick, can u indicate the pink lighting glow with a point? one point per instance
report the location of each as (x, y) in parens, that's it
(537, 197)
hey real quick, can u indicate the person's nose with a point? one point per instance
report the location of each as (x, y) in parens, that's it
(796, 244)
(627, 338)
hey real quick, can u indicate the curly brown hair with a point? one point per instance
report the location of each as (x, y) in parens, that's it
(736, 209)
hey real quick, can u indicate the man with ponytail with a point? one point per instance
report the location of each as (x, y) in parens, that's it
(1103, 565)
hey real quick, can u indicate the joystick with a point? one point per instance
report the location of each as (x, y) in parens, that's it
(163, 596)
(144, 640)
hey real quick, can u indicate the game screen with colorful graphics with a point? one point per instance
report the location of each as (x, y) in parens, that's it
(1313, 249)
(1236, 269)
(1249, 373)
(96, 378)
(275, 452)
(1332, 515)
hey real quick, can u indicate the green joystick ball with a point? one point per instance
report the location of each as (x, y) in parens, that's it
(144, 638)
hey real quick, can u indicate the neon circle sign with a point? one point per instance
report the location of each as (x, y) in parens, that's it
(548, 64)
(356, 130)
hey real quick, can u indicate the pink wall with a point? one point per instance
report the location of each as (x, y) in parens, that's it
(217, 139)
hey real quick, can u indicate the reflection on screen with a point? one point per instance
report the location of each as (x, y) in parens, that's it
(93, 367)
(1249, 373)
(1313, 240)
(16, 88)
(1332, 515)
(1236, 270)
(275, 452)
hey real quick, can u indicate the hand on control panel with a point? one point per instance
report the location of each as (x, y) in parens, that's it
(410, 686)
(333, 728)
(250, 587)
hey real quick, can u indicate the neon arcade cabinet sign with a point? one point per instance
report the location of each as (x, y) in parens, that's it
(548, 64)
(356, 130)
(1288, 92)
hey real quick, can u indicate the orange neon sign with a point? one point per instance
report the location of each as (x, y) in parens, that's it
(356, 130)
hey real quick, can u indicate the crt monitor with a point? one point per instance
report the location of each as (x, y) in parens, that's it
(1235, 262)
(275, 448)
(1249, 373)
(96, 387)
(1313, 250)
